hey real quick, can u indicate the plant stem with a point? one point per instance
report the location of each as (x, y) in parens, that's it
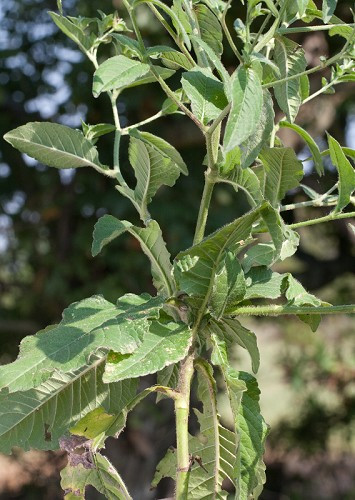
(182, 405)
(200, 53)
(126, 130)
(211, 174)
(305, 29)
(310, 203)
(320, 91)
(219, 119)
(275, 310)
(319, 220)
(227, 33)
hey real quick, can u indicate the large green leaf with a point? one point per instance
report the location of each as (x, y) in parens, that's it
(205, 92)
(163, 345)
(55, 145)
(38, 417)
(196, 267)
(87, 326)
(262, 282)
(317, 158)
(289, 58)
(283, 171)
(108, 228)
(155, 163)
(247, 100)
(120, 72)
(210, 28)
(214, 450)
(252, 146)
(94, 470)
(250, 427)
(346, 183)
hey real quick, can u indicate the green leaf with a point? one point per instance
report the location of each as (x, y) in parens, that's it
(250, 427)
(120, 72)
(163, 345)
(261, 254)
(210, 28)
(55, 145)
(247, 100)
(229, 285)
(283, 172)
(346, 183)
(317, 158)
(74, 32)
(168, 377)
(214, 448)
(205, 92)
(38, 417)
(108, 228)
(298, 296)
(215, 60)
(290, 59)
(154, 164)
(262, 282)
(196, 267)
(87, 327)
(94, 470)
(170, 57)
(328, 8)
(127, 45)
(252, 146)
(92, 132)
(246, 180)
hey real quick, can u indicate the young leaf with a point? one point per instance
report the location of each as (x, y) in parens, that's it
(120, 72)
(246, 180)
(93, 132)
(252, 146)
(205, 92)
(108, 228)
(87, 326)
(346, 183)
(210, 28)
(228, 286)
(214, 449)
(55, 145)
(74, 32)
(196, 267)
(163, 345)
(95, 470)
(328, 8)
(290, 59)
(38, 417)
(250, 427)
(283, 172)
(247, 100)
(317, 158)
(170, 57)
(262, 282)
(298, 296)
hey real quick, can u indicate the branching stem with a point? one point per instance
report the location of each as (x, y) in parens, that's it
(275, 310)
(319, 220)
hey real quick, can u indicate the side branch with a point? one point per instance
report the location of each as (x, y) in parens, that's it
(276, 310)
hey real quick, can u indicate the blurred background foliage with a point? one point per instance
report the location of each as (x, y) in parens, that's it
(46, 222)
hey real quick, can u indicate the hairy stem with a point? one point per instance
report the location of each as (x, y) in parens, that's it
(274, 310)
(319, 220)
(305, 29)
(227, 33)
(182, 405)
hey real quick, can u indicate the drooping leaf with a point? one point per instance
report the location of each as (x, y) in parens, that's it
(228, 286)
(170, 57)
(262, 282)
(205, 92)
(155, 163)
(250, 427)
(108, 228)
(246, 180)
(87, 326)
(298, 296)
(283, 172)
(261, 254)
(127, 46)
(346, 183)
(247, 100)
(163, 345)
(55, 145)
(93, 132)
(210, 28)
(94, 470)
(73, 31)
(290, 59)
(328, 8)
(214, 451)
(252, 146)
(196, 267)
(120, 72)
(38, 417)
(317, 158)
